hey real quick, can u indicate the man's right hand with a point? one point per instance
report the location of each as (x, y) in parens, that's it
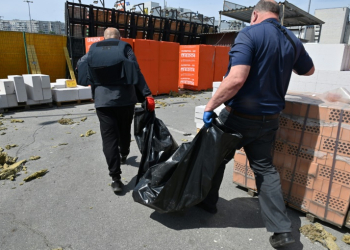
(150, 103)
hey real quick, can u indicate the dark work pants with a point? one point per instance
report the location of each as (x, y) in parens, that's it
(115, 125)
(258, 138)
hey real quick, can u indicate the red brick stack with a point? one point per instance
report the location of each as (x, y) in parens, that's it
(312, 179)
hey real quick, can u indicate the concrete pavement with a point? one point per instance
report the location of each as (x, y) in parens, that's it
(73, 206)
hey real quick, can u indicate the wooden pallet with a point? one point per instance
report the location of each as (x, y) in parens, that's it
(23, 107)
(77, 102)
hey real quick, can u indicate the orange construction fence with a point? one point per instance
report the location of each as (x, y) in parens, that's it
(168, 67)
(221, 62)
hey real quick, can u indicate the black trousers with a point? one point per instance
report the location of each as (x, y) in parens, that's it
(115, 126)
(258, 138)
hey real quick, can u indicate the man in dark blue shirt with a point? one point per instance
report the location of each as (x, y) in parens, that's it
(261, 63)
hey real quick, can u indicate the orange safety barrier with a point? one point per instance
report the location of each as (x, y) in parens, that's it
(168, 67)
(221, 62)
(147, 54)
(196, 67)
(91, 40)
(129, 41)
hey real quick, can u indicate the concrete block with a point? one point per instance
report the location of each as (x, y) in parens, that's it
(20, 88)
(45, 80)
(47, 94)
(3, 101)
(200, 109)
(33, 87)
(64, 95)
(58, 85)
(62, 81)
(12, 100)
(84, 93)
(327, 56)
(7, 87)
(216, 84)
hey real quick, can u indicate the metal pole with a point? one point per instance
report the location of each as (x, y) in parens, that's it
(282, 21)
(30, 18)
(308, 11)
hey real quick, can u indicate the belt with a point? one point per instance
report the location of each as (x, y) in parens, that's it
(252, 117)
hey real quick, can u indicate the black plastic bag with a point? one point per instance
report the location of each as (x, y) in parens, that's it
(153, 139)
(184, 180)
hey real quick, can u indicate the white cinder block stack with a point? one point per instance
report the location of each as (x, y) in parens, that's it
(332, 63)
(61, 93)
(38, 88)
(7, 94)
(199, 111)
(84, 93)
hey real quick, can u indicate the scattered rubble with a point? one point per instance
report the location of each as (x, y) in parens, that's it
(3, 133)
(346, 238)
(84, 119)
(16, 121)
(186, 95)
(163, 104)
(3, 128)
(1, 115)
(34, 158)
(65, 121)
(184, 140)
(63, 144)
(8, 147)
(316, 232)
(1, 123)
(10, 172)
(89, 133)
(36, 175)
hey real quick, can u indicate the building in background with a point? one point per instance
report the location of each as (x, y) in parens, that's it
(337, 25)
(44, 27)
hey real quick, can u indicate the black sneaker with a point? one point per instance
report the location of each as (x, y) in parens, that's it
(123, 159)
(117, 186)
(207, 208)
(281, 239)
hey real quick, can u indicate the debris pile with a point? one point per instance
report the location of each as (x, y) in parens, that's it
(10, 172)
(65, 121)
(16, 121)
(316, 232)
(36, 175)
(186, 95)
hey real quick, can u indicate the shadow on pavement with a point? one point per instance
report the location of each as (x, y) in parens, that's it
(131, 161)
(128, 187)
(236, 213)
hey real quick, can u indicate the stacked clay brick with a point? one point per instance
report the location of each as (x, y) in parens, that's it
(312, 179)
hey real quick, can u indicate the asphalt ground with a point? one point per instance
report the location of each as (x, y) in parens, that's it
(73, 206)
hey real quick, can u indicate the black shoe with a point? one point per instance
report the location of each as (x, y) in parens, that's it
(117, 186)
(281, 239)
(123, 159)
(207, 208)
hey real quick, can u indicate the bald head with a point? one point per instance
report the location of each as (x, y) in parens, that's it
(112, 33)
(265, 9)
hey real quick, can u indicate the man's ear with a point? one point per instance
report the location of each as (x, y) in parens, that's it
(254, 17)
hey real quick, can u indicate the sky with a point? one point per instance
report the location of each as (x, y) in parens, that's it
(53, 10)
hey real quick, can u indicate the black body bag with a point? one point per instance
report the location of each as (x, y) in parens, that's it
(184, 178)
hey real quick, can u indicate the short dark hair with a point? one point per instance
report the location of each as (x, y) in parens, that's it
(268, 6)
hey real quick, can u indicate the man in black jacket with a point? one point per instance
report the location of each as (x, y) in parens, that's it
(117, 82)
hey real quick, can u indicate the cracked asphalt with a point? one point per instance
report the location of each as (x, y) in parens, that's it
(73, 206)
